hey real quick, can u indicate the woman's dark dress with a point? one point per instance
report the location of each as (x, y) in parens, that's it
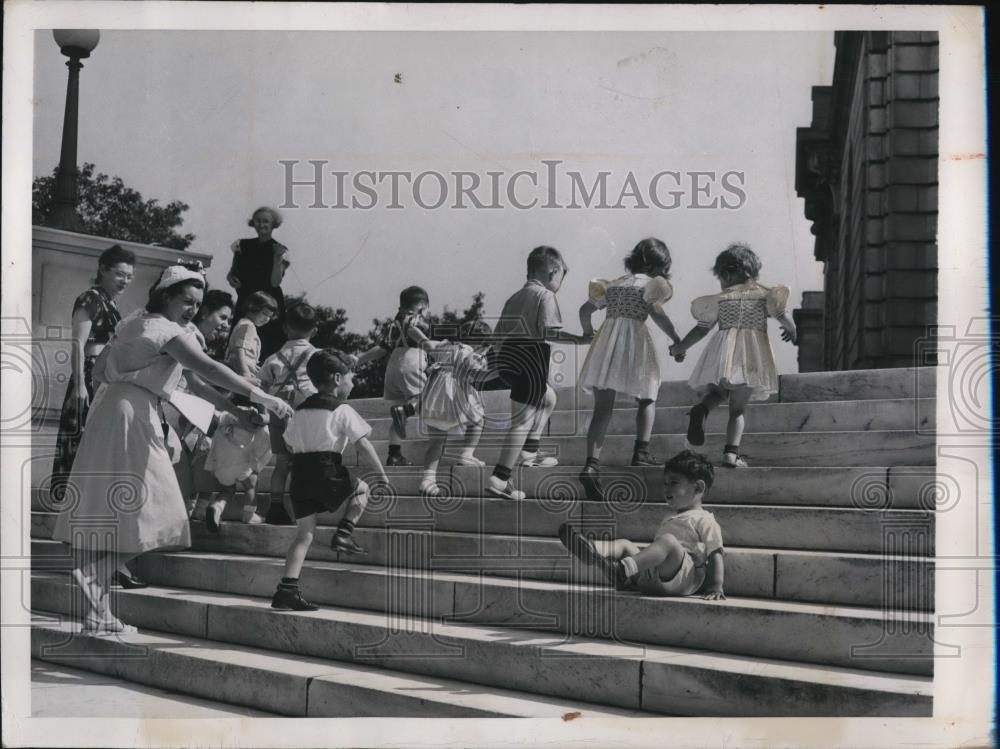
(253, 265)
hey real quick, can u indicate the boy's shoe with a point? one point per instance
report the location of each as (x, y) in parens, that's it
(398, 414)
(254, 519)
(591, 480)
(430, 488)
(643, 458)
(398, 460)
(125, 580)
(291, 600)
(697, 417)
(503, 489)
(586, 552)
(537, 460)
(732, 460)
(343, 545)
(470, 460)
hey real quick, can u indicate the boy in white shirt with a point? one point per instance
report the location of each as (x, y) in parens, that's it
(317, 434)
(685, 556)
(283, 375)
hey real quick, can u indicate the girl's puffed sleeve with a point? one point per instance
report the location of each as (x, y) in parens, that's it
(705, 309)
(657, 292)
(597, 291)
(777, 300)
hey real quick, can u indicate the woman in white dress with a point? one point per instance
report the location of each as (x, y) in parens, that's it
(737, 364)
(622, 357)
(123, 498)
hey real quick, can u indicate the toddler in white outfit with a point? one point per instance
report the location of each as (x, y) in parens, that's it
(236, 457)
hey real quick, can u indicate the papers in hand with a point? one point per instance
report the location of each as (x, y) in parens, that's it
(196, 410)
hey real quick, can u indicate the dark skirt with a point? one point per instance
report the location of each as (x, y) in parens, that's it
(71, 423)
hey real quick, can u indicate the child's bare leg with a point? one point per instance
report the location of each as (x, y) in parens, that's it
(522, 417)
(250, 500)
(738, 400)
(276, 487)
(397, 432)
(604, 404)
(645, 412)
(213, 513)
(432, 458)
(529, 453)
(698, 415)
(305, 529)
(616, 548)
(473, 433)
(342, 537)
(664, 553)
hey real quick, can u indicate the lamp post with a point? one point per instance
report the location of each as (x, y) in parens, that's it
(76, 44)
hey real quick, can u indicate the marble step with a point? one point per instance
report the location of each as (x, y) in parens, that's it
(652, 678)
(801, 632)
(866, 487)
(863, 384)
(892, 582)
(769, 527)
(290, 685)
(887, 447)
(830, 416)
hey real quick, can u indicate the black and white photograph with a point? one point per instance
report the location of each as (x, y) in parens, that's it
(625, 370)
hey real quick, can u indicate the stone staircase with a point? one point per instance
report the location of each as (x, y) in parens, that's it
(469, 606)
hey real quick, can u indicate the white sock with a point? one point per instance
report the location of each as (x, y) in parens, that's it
(631, 568)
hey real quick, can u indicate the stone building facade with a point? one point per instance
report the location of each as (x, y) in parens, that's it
(867, 170)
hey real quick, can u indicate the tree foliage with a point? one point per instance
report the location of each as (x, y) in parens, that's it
(109, 208)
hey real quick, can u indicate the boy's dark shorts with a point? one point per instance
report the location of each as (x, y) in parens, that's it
(524, 366)
(320, 483)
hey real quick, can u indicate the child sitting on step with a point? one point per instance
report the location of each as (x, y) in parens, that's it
(737, 364)
(622, 357)
(450, 398)
(685, 556)
(317, 434)
(283, 375)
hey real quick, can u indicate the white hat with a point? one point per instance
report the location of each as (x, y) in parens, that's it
(176, 274)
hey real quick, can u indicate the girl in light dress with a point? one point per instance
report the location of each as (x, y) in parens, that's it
(451, 399)
(737, 364)
(622, 357)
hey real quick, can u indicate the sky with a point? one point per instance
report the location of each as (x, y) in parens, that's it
(207, 118)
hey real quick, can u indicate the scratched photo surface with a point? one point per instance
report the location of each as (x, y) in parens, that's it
(626, 371)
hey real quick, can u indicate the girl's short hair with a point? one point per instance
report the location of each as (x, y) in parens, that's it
(692, 466)
(113, 255)
(545, 258)
(325, 364)
(213, 300)
(261, 300)
(276, 218)
(650, 256)
(158, 298)
(412, 296)
(737, 260)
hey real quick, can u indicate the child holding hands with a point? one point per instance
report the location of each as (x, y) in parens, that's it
(737, 364)
(317, 434)
(622, 357)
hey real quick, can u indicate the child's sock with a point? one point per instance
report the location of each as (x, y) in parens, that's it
(430, 475)
(630, 566)
(409, 409)
(290, 584)
(594, 463)
(395, 451)
(731, 449)
(345, 529)
(641, 446)
(502, 473)
(531, 446)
